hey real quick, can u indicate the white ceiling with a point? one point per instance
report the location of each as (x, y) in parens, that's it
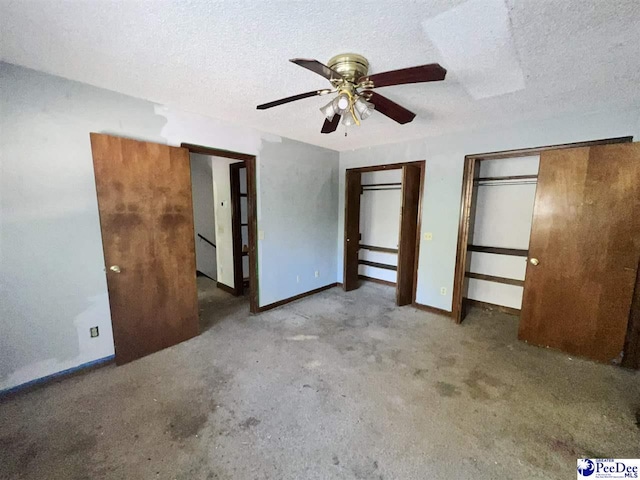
(223, 58)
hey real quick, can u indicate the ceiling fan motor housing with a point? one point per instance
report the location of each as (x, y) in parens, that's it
(350, 65)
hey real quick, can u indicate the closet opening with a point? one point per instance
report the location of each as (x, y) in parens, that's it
(382, 227)
(546, 234)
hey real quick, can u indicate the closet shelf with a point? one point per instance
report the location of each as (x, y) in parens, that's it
(508, 177)
(378, 249)
(397, 184)
(378, 265)
(499, 250)
(496, 279)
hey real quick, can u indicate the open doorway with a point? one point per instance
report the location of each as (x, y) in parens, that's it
(149, 239)
(382, 227)
(224, 204)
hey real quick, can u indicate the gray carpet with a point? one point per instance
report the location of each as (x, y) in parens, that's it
(334, 386)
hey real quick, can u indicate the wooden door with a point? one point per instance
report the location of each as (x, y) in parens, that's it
(585, 239)
(146, 217)
(407, 255)
(353, 189)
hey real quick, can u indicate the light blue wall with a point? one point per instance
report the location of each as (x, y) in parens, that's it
(443, 181)
(299, 217)
(52, 280)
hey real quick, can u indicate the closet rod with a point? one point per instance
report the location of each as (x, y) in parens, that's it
(502, 184)
(374, 189)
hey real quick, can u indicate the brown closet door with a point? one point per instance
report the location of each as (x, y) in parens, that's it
(146, 217)
(353, 189)
(407, 257)
(585, 238)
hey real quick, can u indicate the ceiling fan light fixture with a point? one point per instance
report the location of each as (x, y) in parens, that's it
(364, 108)
(329, 110)
(348, 120)
(342, 103)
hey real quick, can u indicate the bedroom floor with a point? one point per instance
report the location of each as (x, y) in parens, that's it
(337, 385)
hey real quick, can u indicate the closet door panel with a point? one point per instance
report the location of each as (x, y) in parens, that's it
(353, 182)
(584, 251)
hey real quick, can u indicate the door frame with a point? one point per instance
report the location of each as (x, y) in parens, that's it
(467, 209)
(236, 227)
(392, 166)
(250, 164)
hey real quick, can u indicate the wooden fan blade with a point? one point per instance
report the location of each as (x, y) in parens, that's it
(423, 73)
(317, 67)
(282, 101)
(390, 109)
(331, 126)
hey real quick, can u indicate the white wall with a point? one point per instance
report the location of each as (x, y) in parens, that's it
(224, 224)
(52, 280)
(504, 211)
(380, 223)
(203, 214)
(443, 180)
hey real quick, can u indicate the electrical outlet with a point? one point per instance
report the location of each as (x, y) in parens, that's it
(428, 236)
(317, 273)
(93, 331)
(297, 278)
(260, 234)
(443, 290)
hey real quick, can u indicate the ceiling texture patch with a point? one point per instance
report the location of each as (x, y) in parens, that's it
(477, 47)
(220, 59)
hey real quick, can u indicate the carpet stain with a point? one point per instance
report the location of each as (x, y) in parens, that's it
(249, 422)
(482, 386)
(186, 425)
(444, 362)
(447, 390)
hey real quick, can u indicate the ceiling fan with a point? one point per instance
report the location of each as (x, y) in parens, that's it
(348, 74)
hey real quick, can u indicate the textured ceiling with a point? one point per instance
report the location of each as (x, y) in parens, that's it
(223, 58)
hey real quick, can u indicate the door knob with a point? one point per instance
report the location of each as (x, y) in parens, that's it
(534, 261)
(115, 268)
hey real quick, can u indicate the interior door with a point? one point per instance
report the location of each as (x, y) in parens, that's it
(146, 217)
(405, 286)
(584, 250)
(353, 187)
